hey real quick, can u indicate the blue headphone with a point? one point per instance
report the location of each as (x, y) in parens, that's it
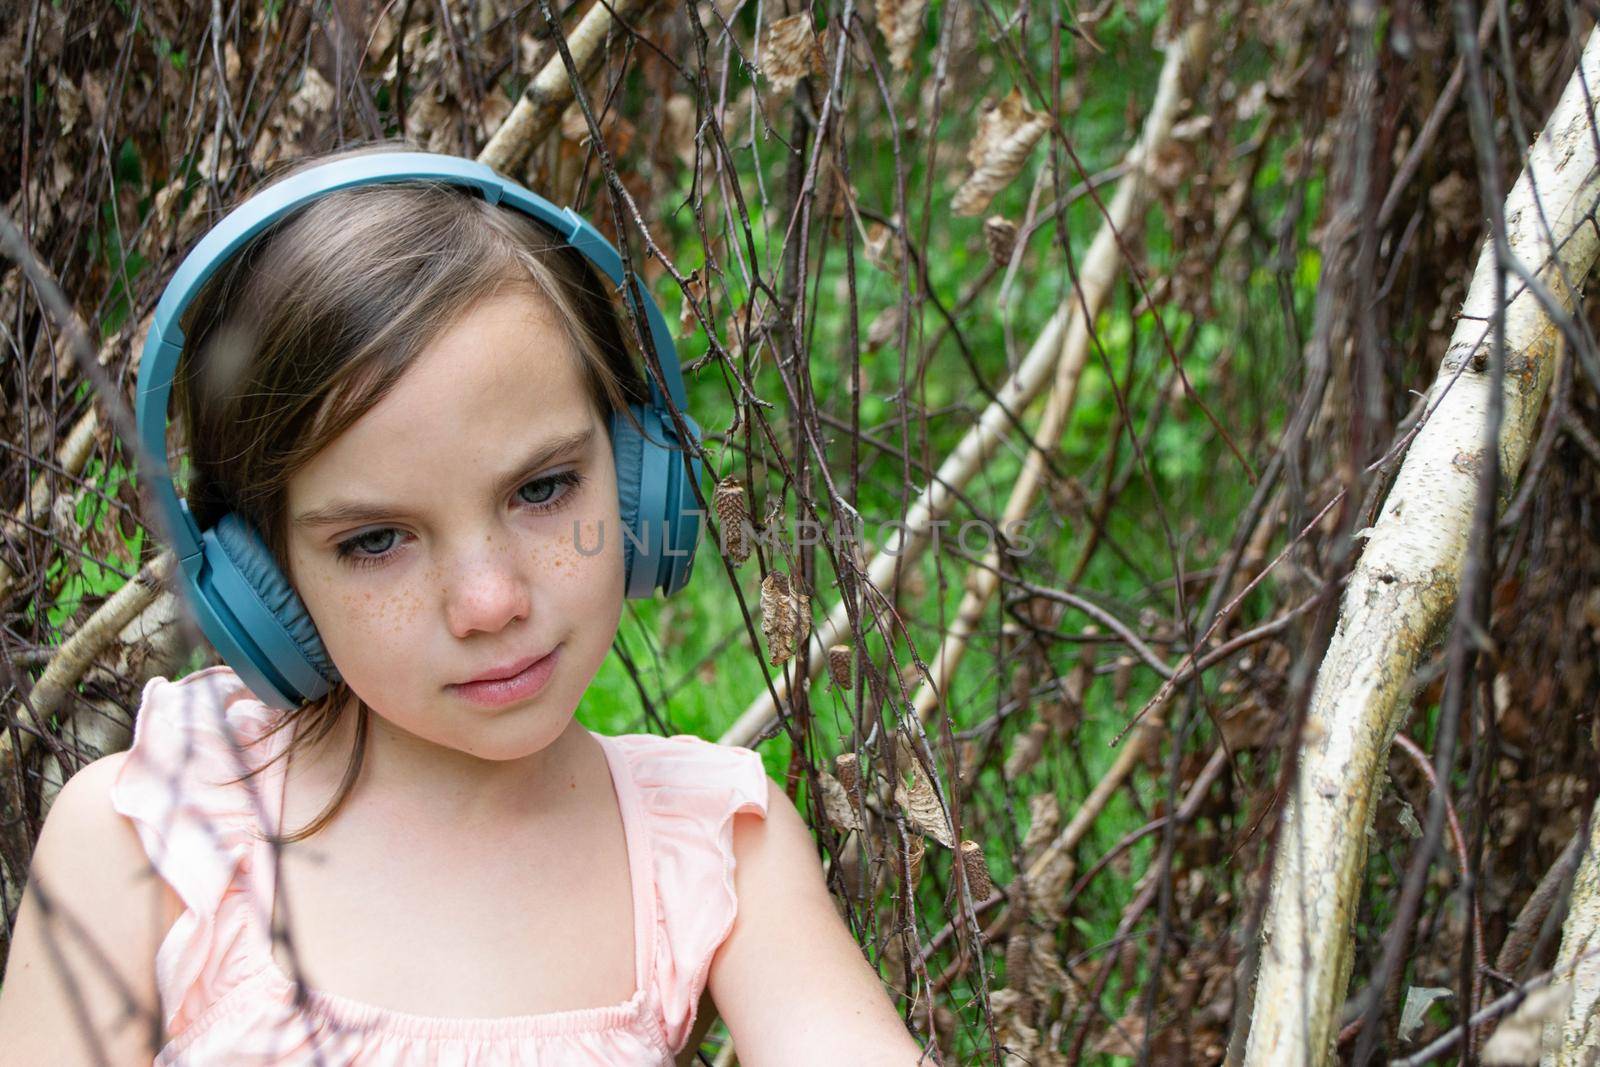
(244, 604)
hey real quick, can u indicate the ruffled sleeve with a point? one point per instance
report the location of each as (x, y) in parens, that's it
(691, 789)
(189, 738)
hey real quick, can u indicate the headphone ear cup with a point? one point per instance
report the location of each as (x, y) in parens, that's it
(627, 451)
(256, 592)
(656, 504)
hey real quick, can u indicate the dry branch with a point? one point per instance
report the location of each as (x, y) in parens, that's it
(1403, 588)
(1053, 347)
(1094, 285)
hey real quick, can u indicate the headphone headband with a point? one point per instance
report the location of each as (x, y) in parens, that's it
(164, 344)
(242, 602)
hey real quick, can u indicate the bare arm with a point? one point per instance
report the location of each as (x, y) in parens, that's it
(80, 983)
(789, 980)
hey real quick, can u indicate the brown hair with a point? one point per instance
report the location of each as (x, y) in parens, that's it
(306, 329)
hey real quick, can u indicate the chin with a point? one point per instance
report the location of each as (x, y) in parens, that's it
(517, 734)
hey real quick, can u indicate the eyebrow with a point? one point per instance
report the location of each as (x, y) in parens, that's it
(352, 511)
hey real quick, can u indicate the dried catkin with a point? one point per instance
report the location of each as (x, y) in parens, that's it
(734, 518)
(849, 770)
(1000, 236)
(839, 665)
(976, 868)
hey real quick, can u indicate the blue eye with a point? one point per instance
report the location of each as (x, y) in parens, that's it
(568, 480)
(368, 547)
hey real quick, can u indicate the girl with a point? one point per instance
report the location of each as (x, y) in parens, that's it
(407, 390)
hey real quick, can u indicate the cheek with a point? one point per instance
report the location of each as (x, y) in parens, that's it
(351, 609)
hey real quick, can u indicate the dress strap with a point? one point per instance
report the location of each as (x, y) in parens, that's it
(197, 827)
(691, 789)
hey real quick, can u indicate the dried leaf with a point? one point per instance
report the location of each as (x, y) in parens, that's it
(785, 617)
(836, 804)
(1125, 1038)
(883, 246)
(916, 846)
(1026, 748)
(69, 104)
(900, 22)
(1013, 1015)
(921, 804)
(884, 327)
(1044, 819)
(694, 292)
(792, 52)
(1007, 132)
(1418, 1000)
(678, 127)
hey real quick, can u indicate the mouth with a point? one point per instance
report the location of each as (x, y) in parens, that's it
(526, 678)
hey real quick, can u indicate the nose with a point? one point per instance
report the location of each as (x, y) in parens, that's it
(489, 588)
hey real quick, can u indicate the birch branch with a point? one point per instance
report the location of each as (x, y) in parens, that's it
(539, 108)
(1402, 590)
(1575, 1038)
(71, 456)
(66, 668)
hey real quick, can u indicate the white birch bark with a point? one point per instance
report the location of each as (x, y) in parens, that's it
(1574, 1040)
(1401, 592)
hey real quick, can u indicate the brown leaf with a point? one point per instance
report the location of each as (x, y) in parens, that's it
(678, 127)
(836, 804)
(791, 52)
(849, 770)
(1007, 132)
(921, 805)
(785, 617)
(1044, 819)
(885, 326)
(1026, 748)
(1000, 237)
(900, 22)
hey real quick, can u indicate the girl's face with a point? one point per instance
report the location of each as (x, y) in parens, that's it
(467, 522)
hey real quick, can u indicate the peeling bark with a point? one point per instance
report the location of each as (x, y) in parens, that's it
(1402, 590)
(1574, 1040)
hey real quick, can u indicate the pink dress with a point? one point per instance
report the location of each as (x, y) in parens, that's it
(227, 1001)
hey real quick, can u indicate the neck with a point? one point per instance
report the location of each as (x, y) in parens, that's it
(433, 785)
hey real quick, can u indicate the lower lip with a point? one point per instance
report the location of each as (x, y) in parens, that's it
(503, 691)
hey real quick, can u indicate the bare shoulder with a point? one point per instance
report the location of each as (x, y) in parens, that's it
(790, 975)
(80, 972)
